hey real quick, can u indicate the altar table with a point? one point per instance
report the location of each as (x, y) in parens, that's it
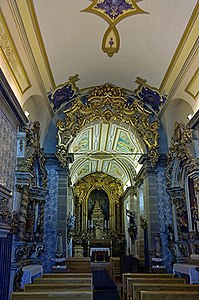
(31, 272)
(189, 270)
(97, 251)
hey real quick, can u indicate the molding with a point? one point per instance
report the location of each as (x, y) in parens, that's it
(11, 58)
(40, 41)
(180, 48)
(193, 83)
(27, 47)
(11, 100)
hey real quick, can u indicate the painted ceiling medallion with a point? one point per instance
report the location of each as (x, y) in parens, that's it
(113, 11)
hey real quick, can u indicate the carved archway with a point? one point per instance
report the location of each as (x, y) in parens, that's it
(107, 103)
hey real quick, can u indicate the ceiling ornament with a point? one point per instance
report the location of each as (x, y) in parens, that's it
(107, 103)
(99, 181)
(113, 11)
(64, 92)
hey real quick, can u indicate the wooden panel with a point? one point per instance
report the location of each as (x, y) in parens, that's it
(130, 282)
(68, 275)
(138, 287)
(169, 295)
(72, 295)
(141, 275)
(63, 280)
(115, 266)
(59, 287)
(79, 265)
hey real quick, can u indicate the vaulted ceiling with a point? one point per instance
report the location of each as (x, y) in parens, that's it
(44, 42)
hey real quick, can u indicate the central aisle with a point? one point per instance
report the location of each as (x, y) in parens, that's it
(104, 287)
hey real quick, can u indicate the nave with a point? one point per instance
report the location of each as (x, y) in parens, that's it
(107, 284)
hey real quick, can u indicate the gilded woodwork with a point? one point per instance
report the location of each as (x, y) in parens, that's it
(143, 223)
(100, 181)
(181, 165)
(107, 103)
(85, 186)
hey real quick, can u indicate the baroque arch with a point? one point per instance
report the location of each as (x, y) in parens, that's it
(107, 103)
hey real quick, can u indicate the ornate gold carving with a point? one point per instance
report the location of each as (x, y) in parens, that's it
(11, 57)
(99, 181)
(34, 152)
(181, 156)
(23, 214)
(107, 103)
(143, 223)
(5, 213)
(113, 12)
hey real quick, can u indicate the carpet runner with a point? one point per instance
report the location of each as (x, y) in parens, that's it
(104, 287)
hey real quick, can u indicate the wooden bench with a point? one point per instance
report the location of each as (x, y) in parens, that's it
(57, 287)
(141, 275)
(52, 295)
(115, 267)
(131, 281)
(169, 295)
(68, 275)
(138, 287)
(79, 265)
(63, 280)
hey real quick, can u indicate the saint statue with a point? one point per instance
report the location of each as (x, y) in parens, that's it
(157, 245)
(59, 245)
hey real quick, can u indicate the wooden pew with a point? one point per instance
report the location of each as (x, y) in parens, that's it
(63, 280)
(53, 295)
(57, 287)
(138, 287)
(131, 281)
(140, 275)
(79, 264)
(169, 295)
(115, 267)
(68, 275)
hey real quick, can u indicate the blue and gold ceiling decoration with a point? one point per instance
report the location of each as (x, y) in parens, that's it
(113, 11)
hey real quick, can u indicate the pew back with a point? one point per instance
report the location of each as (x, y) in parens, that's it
(131, 281)
(57, 287)
(63, 280)
(141, 275)
(169, 295)
(72, 295)
(67, 275)
(138, 287)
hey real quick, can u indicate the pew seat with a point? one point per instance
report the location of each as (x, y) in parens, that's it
(138, 287)
(131, 281)
(52, 295)
(169, 295)
(59, 287)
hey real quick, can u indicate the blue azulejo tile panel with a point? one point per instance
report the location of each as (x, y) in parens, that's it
(165, 216)
(50, 220)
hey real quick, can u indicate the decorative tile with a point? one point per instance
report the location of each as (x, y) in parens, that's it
(50, 220)
(165, 216)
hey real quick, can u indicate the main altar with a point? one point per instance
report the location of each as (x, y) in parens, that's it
(99, 224)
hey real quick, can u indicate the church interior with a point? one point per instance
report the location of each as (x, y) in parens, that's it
(99, 149)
